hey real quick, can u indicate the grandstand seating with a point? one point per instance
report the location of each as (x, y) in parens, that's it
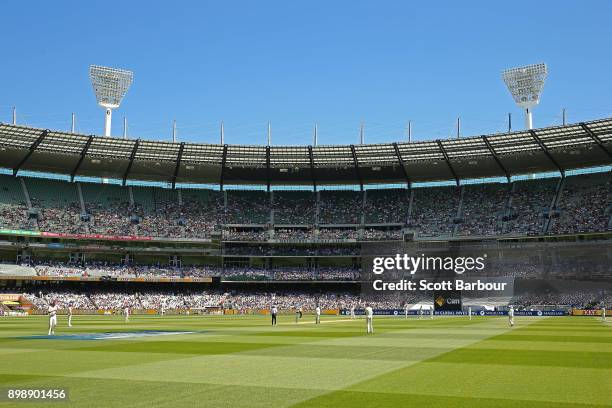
(58, 203)
(386, 206)
(247, 207)
(483, 209)
(294, 207)
(340, 207)
(584, 205)
(574, 204)
(530, 203)
(13, 208)
(434, 210)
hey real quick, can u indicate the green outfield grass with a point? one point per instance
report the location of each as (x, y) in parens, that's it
(240, 361)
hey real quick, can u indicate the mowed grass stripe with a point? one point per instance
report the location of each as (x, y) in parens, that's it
(515, 345)
(554, 339)
(535, 383)
(575, 359)
(108, 393)
(246, 370)
(177, 347)
(69, 361)
(354, 352)
(385, 400)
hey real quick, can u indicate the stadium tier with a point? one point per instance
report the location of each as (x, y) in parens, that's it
(269, 230)
(573, 204)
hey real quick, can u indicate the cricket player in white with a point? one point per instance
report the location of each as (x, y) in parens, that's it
(470, 312)
(406, 311)
(352, 311)
(318, 315)
(511, 316)
(420, 312)
(52, 317)
(369, 313)
(126, 311)
(70, 315)
(603, 313)
(431, 313)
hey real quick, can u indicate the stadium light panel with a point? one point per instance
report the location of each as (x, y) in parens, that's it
(110, 86)
(526, 84)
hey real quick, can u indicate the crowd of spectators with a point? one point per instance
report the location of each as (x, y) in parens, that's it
(234, 234)
(171, 299)
(338, 233)
(16, 217)
(524, 207)
(66, 218)
(288, 250)
(247, 207)
(386, 206)
(64, 299)
(434, 211)
(483, 209)
(583, 208)
(108, 269)
(293, 234)
(529, 207)
(340, 207)
(194, 299)
(371, 234)
(580, 299)
(294, 207)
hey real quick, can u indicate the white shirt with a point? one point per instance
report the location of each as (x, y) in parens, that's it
(369, 312)
(274, 310)
(318, 310)
(52, 310)
(511, 312)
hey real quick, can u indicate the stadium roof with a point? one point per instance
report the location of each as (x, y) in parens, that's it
(557, 148)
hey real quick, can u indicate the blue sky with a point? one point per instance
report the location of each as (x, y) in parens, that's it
(296, 63)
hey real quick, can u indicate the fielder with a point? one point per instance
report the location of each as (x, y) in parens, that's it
(70, 315)
(352, 311)
(470, 312)
(511, 316)
(52, 317)
(406, 311)
(431, 313)
(318, 315)
(369, 313)
(126, 311)
(420, 312)
(603, 313)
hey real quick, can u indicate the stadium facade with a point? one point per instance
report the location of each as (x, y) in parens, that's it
(302, 214)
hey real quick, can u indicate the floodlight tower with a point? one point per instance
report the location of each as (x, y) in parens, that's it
(526, 84)
(110, 86)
